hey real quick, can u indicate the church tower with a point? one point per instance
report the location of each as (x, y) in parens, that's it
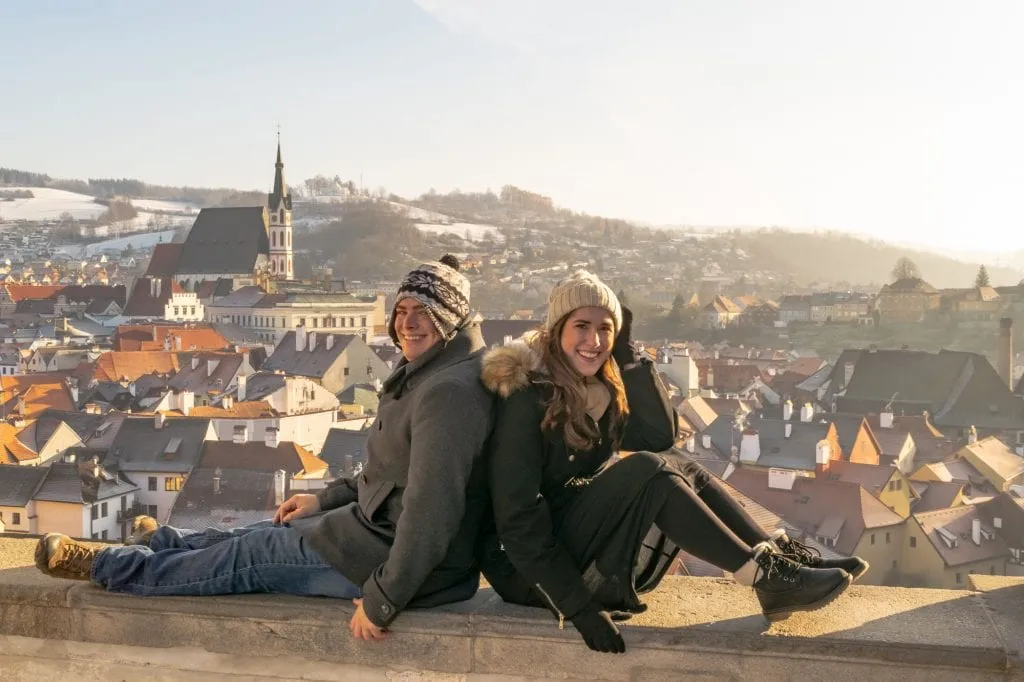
(279, 208)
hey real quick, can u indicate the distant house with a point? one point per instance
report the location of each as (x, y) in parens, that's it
(18, 486)
(760, 314)
(84, 500)
(947, 545)
(907, 300)
(795, 308)
(956, 388)
(158, 453)
(719, 313)
(335, 361)
(975, 307)
(345, 451)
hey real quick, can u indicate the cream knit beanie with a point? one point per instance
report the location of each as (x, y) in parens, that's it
(579, 290)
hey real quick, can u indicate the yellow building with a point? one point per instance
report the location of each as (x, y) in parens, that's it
(943, 547)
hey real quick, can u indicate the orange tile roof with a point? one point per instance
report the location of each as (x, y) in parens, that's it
(253, 409)
(151, 337)
(41, 392)
(20, 292)
(130, 365)
(12, 450)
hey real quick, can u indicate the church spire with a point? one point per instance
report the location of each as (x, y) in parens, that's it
(280, 194)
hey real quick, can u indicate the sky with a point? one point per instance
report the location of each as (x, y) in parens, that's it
(902, 120)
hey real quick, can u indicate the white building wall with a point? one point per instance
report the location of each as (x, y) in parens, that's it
(161, 497)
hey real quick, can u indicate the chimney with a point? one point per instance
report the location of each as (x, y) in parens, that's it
(787, 410)
(711, 377)
(177, 342)
(750, 446)
(1006, 350)
(300, 339)
(691, 444)
(227, 403)
(822, 457)
(73, 389)
(329, 341)
(972, 435)
(279, 481)
(705, 441)
(997, 521)
(195, 362)
(131, 389)
(216, 480)
(243, 382)
(885, 419)
(240, 434)
(789, 430)
(158, 420)
(976, 531)
(847, 374)
(188, 402)
(311, 341)
(807, 412)
(270, 437)
(167, 342)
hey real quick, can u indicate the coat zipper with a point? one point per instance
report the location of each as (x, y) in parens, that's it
(561, 618)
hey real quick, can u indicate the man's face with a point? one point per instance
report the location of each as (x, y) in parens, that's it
(416, 332)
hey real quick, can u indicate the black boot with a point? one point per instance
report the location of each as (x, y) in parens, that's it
(784, 586)
(810, 557)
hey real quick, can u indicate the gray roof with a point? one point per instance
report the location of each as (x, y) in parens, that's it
(246, 297)
(262, 384)
(82, 423)
(307, 363)
(65, 483)
(139, 446)
(341, 443)
(795, 452)
(19, 483)
(225, 241)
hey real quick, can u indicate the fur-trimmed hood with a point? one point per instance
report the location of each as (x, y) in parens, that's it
(508, 369)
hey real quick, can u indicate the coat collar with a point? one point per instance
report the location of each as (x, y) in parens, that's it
(511, 368)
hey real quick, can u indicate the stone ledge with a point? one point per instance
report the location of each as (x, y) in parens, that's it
(704, 628)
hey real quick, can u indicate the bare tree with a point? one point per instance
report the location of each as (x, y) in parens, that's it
(905, 269)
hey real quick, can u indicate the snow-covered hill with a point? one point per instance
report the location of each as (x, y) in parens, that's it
(49, 204)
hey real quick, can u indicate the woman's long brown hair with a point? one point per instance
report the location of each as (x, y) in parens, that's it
(567, 407)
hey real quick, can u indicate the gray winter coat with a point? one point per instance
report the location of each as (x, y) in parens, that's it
(406, 527)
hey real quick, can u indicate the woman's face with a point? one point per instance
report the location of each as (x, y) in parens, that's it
(587, 339)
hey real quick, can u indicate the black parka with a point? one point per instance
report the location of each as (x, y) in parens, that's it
(572, 526)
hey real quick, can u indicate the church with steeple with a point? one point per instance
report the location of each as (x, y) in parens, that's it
(244, 245)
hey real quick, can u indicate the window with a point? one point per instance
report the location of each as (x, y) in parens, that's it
(95, 513)
(191, 310)
(152, 483)
(302, 322)
(899, 484)
(151, 510)
(872, 538)
(991, 569)
(105, 511)
(124, 503)
(273, 238)
(95, 536)
(103, 535)
(172, 484)
(316, 322)
(16, 519)
(913, 542)
(894, 564)
(888, 537)
(959, 578)
(346, 371)
(363, 324)
(281, 214)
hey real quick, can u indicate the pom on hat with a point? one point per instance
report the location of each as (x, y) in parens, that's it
(451, 261)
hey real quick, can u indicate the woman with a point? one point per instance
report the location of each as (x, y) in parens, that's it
(583, 534)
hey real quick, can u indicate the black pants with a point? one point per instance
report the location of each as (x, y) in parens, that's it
(706, 521)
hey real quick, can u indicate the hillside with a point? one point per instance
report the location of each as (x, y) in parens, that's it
(836, 257)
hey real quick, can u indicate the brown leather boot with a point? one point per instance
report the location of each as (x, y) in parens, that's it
(59, 556)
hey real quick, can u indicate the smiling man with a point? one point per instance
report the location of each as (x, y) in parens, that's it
(402, 533)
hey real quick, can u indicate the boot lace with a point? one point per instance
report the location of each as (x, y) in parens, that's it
(778, 566)
(808, 556)
(77, 558)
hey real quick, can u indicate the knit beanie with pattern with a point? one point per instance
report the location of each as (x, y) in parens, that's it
(444, 293)
(580, 290)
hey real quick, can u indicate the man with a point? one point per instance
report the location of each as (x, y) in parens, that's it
(401, 534)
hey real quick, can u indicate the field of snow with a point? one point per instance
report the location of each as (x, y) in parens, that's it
(476, 231)
(143, 240)
(161, 205)
(48, 204)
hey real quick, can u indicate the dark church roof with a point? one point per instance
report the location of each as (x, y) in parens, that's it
(278, 195)
(225, 241)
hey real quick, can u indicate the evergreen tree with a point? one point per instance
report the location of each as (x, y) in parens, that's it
(981, 280)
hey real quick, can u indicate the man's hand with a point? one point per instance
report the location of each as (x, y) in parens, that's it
(361, 626)
(296, 507)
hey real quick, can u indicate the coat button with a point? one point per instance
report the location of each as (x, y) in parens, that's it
(385, 609)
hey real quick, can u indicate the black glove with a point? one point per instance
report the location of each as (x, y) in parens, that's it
(598, 630)
(622, 349)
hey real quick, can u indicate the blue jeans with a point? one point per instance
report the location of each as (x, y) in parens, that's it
(257, 558)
